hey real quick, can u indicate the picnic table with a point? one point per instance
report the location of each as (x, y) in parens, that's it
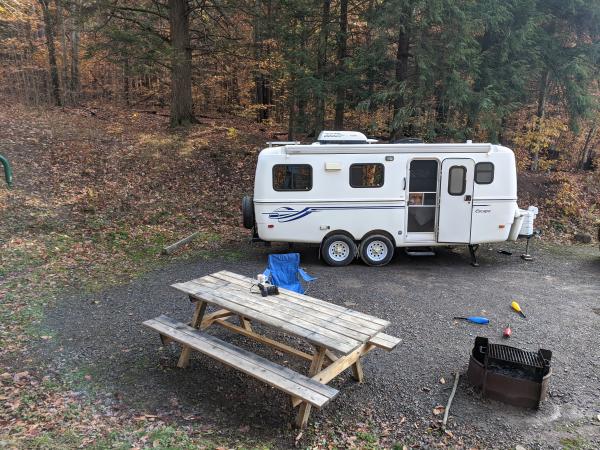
(340, 337)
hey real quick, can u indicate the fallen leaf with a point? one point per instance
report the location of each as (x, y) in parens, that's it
(439, 409)
(20, 375)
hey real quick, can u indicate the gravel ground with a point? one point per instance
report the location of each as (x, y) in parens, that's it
(101, 335)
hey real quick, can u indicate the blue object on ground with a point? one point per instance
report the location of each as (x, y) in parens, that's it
(475, 319)
(283, 270)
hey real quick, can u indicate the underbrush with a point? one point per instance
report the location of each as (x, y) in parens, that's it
(568, 202)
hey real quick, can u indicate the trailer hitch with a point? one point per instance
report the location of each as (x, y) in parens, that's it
(7, 170)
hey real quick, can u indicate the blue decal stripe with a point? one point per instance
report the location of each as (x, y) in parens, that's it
(288, 214)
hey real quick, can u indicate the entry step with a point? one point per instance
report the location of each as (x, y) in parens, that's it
(419, 251)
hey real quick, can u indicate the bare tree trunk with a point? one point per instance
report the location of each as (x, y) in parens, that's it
(321, 67)
(235, 89)
(264, 96)
(63, 48)
(49, 31)
(301, 121)
(542, 94)
(541, 111)
(342, 44)
(401, 75)
(291, 112)
(586, 162)
(182, 108)
(126, 81)
(371, 71)
(262, 80)
(75, 84)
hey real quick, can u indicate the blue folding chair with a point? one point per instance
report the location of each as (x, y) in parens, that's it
(283, 270)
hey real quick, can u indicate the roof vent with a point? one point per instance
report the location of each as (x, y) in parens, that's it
(342, 137)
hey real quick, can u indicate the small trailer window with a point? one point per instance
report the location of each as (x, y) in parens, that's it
(484, 173)
(292, 177)
(366, 175)
(457, 180)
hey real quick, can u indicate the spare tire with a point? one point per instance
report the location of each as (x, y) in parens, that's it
(248, 212)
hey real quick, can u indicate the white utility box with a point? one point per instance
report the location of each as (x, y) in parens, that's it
(528, 217)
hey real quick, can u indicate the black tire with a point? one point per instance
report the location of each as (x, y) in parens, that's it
(376, 250)
(248, 212)
(338, 250)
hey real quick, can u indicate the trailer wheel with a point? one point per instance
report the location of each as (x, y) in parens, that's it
(377, 250)
(338, 250)
(248, 212)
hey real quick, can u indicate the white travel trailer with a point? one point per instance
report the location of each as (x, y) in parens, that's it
(354, 197)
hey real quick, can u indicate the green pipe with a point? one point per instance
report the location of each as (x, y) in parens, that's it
(7, 170)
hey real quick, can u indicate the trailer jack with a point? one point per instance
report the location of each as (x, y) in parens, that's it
(473, 251)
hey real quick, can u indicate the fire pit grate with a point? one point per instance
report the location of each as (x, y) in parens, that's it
(510, 374)
(515, 355)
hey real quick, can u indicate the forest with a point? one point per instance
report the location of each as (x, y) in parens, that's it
(512, 71)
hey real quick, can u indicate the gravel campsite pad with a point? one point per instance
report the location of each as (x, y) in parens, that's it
(101, 336)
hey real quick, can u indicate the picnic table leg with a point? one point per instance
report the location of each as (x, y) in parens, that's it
(245, 323)
(357, 371)
(184, 358)
(330, 357)
(315, 367)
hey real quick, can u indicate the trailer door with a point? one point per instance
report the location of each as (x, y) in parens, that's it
(456, 200)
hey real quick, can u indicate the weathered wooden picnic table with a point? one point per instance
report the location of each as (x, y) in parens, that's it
(340, 336)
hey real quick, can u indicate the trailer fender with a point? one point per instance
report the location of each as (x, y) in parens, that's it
(381, 232)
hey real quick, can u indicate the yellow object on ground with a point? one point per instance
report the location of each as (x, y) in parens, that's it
(517, 308)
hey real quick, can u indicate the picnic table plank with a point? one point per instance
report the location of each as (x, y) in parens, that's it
(285, 379)
(296, 310)
(321, 305)
(335, 316)
(224, 300)
(385, 341)
(261, 304)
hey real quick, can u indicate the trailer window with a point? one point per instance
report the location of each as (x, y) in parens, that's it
(484, 173)
(292, 177)
(366, 175)
(457, 180)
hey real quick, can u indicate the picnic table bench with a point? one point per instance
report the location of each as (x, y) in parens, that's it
(340, 336)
